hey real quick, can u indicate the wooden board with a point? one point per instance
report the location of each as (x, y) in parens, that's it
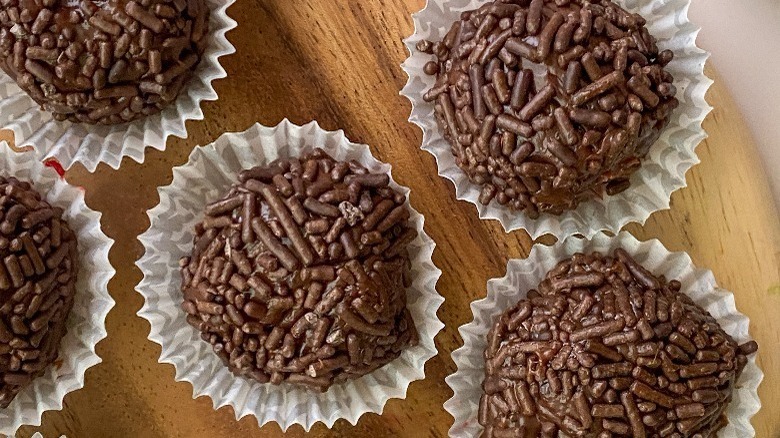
(337, 62)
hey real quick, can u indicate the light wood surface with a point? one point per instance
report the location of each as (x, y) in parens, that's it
(337, 62)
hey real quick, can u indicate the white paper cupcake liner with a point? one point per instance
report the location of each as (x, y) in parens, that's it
(523, 275)
(87, 321)
(208, 175)
(663, 170)
(90, 145)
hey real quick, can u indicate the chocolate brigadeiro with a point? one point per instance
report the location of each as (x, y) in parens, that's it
(605, 348)
(545, 145)
(299, 273)
(105, 62)
(38, 267)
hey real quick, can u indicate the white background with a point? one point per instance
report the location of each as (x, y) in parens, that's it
(744, 39)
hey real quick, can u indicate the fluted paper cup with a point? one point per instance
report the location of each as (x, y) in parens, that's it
(90, 145)
(86, 323)
(663, 170)
(526, 274)
(208, 175)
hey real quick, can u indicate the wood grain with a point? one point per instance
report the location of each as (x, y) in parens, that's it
(337, 62)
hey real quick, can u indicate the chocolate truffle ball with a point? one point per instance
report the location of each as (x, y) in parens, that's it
(299, 273)
(544, 143)
(605, 348)
(104, 62)
(38, 267)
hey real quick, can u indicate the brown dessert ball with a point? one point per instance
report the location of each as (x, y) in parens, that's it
(38, 268)
(605, 348)
(544, 143)
(105, 62)
(299, 273)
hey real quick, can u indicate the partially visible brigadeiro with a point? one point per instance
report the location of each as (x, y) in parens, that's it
(105, 62)
(299, 273)
(38, 268)
(605, 348)
(544, 143)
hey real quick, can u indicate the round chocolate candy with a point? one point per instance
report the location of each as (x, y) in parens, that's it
(104, 62)
(38, 267)
(605, 348)
(544, 143)
(299, 273)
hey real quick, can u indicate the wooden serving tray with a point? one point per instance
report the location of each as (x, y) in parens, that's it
(338, 62)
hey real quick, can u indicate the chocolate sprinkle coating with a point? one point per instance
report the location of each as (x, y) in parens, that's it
(38, 269)
(105, 62)
(605, 348)
(543, 145)
(299, 273)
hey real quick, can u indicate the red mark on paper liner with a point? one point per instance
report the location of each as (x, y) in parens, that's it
(54, 164)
